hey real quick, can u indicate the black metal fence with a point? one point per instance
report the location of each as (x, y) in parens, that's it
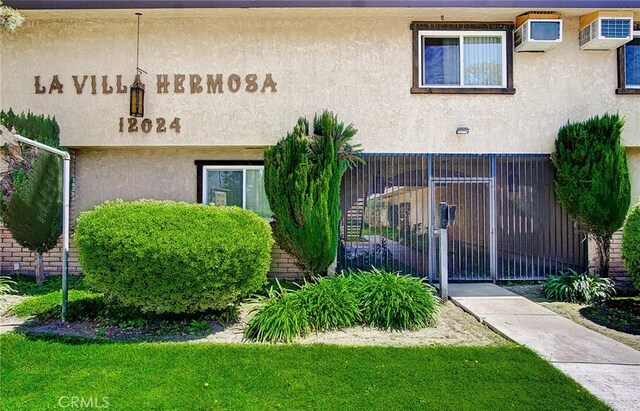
(509, 225)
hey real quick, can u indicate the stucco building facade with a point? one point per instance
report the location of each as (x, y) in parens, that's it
(221, 84)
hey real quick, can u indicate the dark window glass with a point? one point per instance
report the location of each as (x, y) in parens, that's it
(441, 61)
(632, 62)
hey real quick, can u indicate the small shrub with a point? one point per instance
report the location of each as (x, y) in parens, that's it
(168, 257)
(199, 327)
(330, 303)
(577, 287)
(631, 245)
(397, 302)
(279, 317)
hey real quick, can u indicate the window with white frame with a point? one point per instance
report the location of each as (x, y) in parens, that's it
(629, 65)
(235, 185)
(472, 58)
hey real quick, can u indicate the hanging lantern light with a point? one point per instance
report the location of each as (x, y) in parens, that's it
(136, 91)
(136, 98)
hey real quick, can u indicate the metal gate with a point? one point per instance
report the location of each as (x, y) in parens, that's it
(509, 224)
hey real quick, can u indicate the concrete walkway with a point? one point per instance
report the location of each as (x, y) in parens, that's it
(608, 369)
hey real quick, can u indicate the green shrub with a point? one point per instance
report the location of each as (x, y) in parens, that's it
(330, 304)
(380, 299)
(279, 317)
(302, 175)
(631, 245)
(577, 287)
(391, 301)
(167, 257)
(592, 179)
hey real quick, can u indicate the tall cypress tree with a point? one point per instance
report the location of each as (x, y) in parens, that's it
(31, 201)
(592, 178)
(303, 173)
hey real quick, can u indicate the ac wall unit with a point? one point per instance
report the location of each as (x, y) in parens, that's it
(605, 32)
(538, 35)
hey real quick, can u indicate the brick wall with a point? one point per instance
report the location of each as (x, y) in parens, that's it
(282, 264)
(11, 253)
(616, 266)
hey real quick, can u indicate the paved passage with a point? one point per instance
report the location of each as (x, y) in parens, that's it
(608, 369)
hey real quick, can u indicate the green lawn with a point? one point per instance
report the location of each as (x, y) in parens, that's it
(36, 372)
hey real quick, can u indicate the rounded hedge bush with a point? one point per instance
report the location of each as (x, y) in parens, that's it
(631, 245)
(168, 257)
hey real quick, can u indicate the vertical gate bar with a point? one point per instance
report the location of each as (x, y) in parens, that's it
(381, 190)
(346, 217)
(415, 238)
(428, 226)
(546, 240)
(493, 225)
(343, 200)
(466, 218)
(430, 211)
(403, 241)
(525, 210)
(485, 237)
(553, 226)
(396, 261)
(554, 230)
(404, 211)
(476, 240)
(519, 217)
(365, 204)
(481, 207)
(537, 219)
(513, 216)
(445, 198)
(457, 238)
(374, 217)
(499, 184)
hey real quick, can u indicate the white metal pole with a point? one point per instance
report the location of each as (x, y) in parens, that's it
(444, 266)
(66, 199)
(66, 174)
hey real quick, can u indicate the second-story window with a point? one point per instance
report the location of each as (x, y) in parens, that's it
(474, 58)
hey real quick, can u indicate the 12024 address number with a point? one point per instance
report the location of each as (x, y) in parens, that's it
(132, 125)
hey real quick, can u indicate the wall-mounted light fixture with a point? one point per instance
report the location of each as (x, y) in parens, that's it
(462, 130)
(136, 91)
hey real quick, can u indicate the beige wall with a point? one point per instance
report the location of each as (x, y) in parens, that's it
(353, 61)
(135, 173)
(633, 158)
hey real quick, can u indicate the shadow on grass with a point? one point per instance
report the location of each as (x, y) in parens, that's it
(94, 317)
(26, 285)
(620, 314)
(65, 339)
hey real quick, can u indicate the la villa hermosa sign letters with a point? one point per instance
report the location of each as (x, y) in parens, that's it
(178, 84)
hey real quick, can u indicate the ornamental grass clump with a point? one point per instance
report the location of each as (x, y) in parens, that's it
(279, 317)
(391, 301)
(574, 287)
(380, 299)
(330, 304)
